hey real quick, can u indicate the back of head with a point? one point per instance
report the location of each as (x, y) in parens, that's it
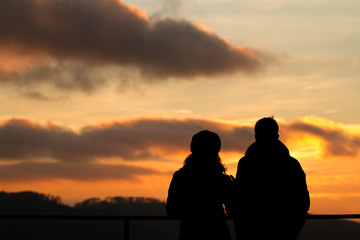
(205, 142)
(205, 147)
(266, 130)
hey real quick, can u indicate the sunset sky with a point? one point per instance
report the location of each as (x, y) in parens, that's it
(101, 97)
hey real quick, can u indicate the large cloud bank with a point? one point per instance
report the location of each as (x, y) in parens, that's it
(26, 147)
(63, 42)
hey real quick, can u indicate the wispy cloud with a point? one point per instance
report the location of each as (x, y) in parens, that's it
(69, 35)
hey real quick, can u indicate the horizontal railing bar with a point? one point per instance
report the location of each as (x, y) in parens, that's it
(118, 217)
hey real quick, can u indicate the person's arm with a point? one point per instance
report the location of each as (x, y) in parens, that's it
(172, 203)
(306, 196)
(226, 192)
(235, 202)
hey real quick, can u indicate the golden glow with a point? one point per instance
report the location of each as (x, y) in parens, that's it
(136, 10)
(306, 145)
(248, 52)
(324, 123)
(204, 28)
(329, 124)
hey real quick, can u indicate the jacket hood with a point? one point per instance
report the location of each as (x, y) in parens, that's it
(275, 148)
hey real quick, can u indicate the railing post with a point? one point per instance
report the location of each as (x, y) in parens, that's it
(126, 229)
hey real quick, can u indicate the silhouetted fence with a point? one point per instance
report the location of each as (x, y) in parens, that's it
(127, 219)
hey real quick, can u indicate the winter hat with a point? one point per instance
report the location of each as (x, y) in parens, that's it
(205, 142)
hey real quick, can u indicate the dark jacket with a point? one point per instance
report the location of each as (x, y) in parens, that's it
(271, 186)
(196, 196)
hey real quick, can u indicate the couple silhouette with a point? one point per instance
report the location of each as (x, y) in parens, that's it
(268, 199)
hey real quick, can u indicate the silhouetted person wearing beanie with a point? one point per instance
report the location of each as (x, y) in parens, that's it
(199, 189)
(271, 196)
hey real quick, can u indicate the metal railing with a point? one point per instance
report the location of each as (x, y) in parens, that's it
(127, 219)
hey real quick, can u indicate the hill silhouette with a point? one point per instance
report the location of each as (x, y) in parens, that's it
(44, 204)
(32, 203)
(37, 203)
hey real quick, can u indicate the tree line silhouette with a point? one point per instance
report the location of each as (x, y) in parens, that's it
(29, 202)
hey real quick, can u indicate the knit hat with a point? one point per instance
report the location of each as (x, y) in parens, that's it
(205, 142)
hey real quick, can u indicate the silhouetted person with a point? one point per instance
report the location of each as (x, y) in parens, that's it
(272, 199)
(199, 189)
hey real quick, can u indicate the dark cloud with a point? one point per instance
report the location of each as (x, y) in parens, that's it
(132, 140)
(103, 32)
(65, 76)
(135, 139)
(74, 154)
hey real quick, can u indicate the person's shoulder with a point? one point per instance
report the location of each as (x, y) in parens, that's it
(281, 148)
(182, 172)
(249, 153)
(225, 176)
(179, 177)
(252, 149)
(296, 164)
(294, 161)
(244, 162)
(179, 172)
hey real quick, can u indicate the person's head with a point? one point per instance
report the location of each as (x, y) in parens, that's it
(205, 143)
(205, 147)
(266, 129)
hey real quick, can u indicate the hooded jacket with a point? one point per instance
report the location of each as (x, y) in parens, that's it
(269, 182)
